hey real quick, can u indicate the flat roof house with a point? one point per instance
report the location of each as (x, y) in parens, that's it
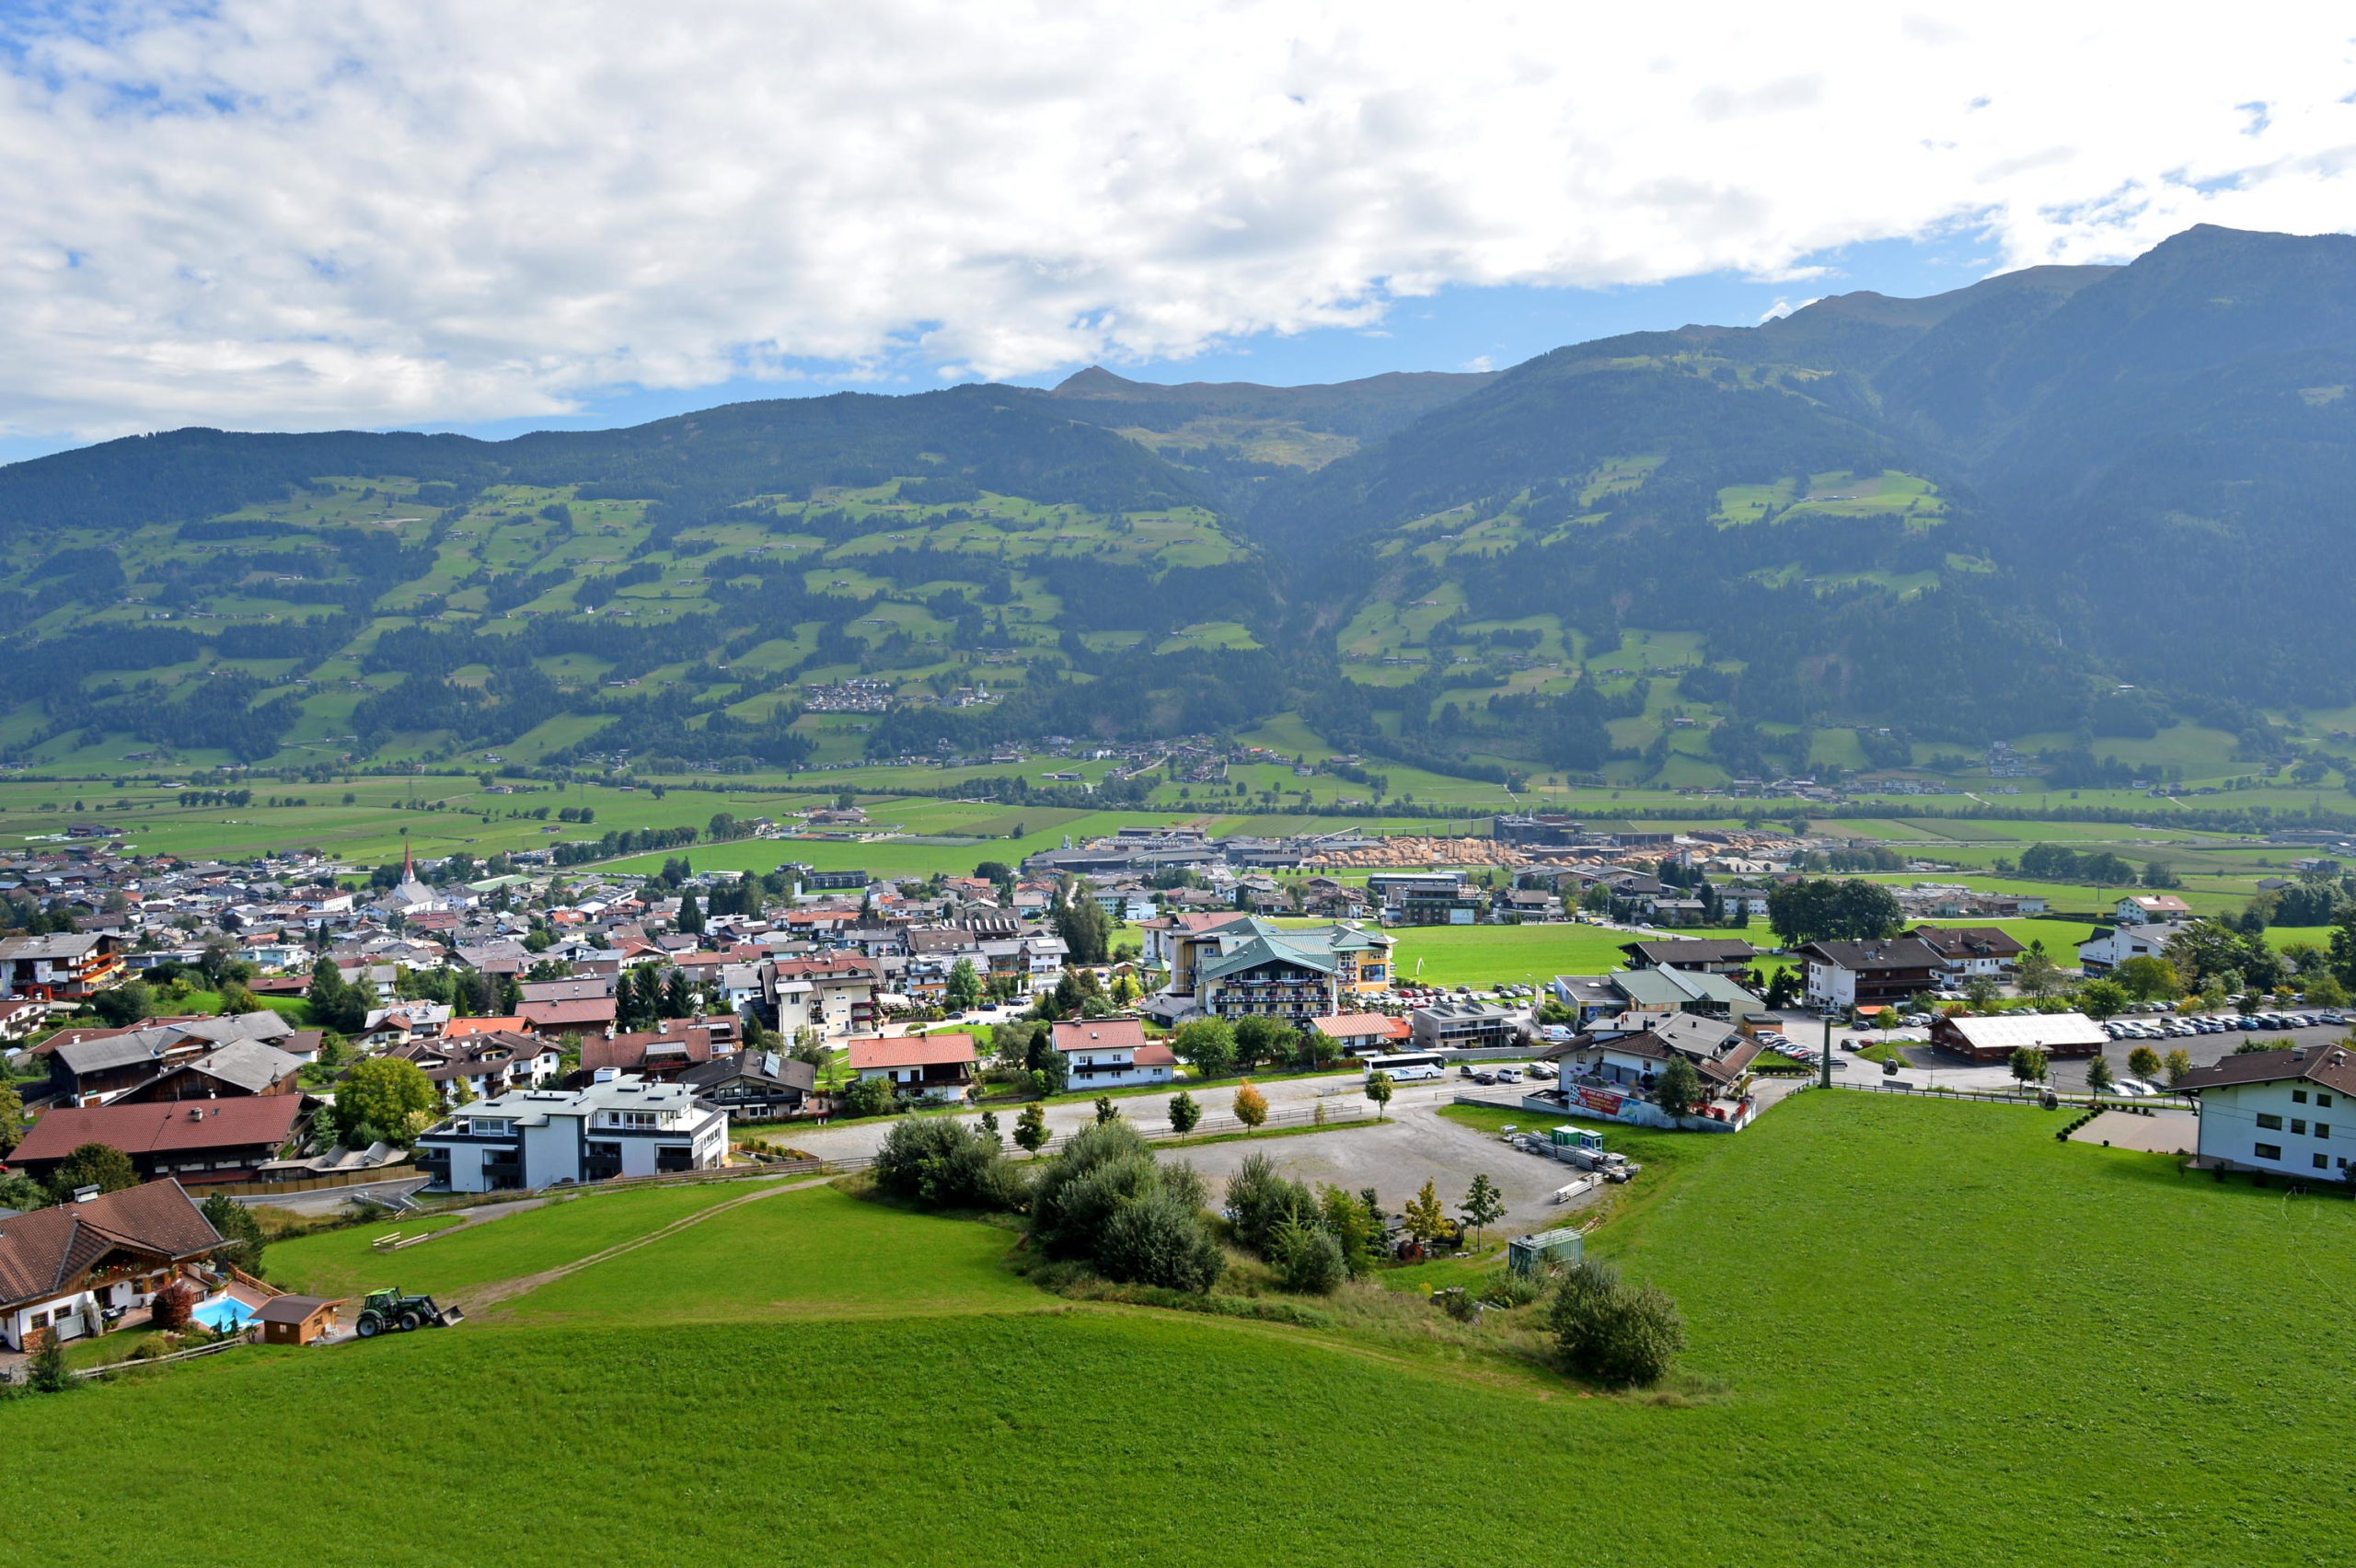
(530, 1138)
(68, 1271)
(1111, 1053)
(1464, 1026)
(2286, 1112)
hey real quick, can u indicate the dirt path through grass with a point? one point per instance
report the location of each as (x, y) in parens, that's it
(493, 1295)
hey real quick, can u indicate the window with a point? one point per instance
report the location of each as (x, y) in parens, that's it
(2296, 1124)
(2323, 1129)
(2298, 1097)
(2272, 1123)
(2269, 1151)
(2323, 1162)
(2324, 1100)
(38, 1321)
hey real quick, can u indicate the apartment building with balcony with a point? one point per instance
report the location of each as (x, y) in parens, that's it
(531, 1138)
(1240, 966)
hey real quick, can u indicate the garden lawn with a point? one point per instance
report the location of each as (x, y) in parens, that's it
(341, 1263)
(1923, 1333)
(812, 1252)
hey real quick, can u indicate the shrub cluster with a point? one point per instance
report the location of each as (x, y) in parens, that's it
(1315, 1239)
(1107, 1200)
(942, 1164)
(1613, 1332)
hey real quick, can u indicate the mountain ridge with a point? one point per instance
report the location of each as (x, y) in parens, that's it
(1909, 517)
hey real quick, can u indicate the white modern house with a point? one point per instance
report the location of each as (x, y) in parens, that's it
(2285, 1112)
(2153, 908)
(1109, 1053)
(530, 1138)
(2109, 947)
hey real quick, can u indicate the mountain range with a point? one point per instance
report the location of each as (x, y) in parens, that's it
(2065, 502)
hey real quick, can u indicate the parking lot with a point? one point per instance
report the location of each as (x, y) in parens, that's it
(1926, 1066)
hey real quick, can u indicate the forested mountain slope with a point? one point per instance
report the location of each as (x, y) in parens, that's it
(2068, 501)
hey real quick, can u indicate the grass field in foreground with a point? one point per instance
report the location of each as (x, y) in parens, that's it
(341, 1262)
(1925, 1334)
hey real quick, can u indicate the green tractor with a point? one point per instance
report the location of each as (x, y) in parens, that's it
(382, 1310)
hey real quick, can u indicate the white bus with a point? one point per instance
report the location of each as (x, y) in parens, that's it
(1408, 1067)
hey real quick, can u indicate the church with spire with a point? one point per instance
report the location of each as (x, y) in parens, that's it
(412, 897)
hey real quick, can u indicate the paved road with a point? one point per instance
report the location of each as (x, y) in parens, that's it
(328, 1200)
(852, 1140)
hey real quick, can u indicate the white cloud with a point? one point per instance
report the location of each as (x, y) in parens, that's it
(308, 213)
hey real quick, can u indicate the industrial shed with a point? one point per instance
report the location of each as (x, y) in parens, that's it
(1995, 1039)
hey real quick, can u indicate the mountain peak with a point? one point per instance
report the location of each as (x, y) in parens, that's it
(1096, 382)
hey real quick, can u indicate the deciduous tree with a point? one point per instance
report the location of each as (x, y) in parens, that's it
(963, 989)
(1206, 1044)
(1484, 1206)
(1185, 1115)
(1378, 1089)
(1425, 1218)
(98, 1165)
(1251, 1105)
(2099, 999)
(386, 1093)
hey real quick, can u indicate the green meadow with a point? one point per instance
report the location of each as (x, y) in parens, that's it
(1920, 1333)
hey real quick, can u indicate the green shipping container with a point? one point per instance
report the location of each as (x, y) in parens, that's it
(1533, 1254)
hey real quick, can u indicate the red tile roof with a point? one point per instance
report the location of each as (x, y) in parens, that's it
(1344, 1026)
(164, 1127)
(1100, 1035)
(459, 1028)
(911, 1050)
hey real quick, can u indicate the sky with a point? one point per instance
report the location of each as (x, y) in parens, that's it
(495, 217)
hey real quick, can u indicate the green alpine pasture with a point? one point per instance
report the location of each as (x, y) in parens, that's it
(1922, 1332)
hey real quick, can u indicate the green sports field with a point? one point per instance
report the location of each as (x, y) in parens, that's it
(1922, 1332)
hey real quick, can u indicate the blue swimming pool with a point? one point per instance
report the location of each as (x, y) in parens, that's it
(224, 1312)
